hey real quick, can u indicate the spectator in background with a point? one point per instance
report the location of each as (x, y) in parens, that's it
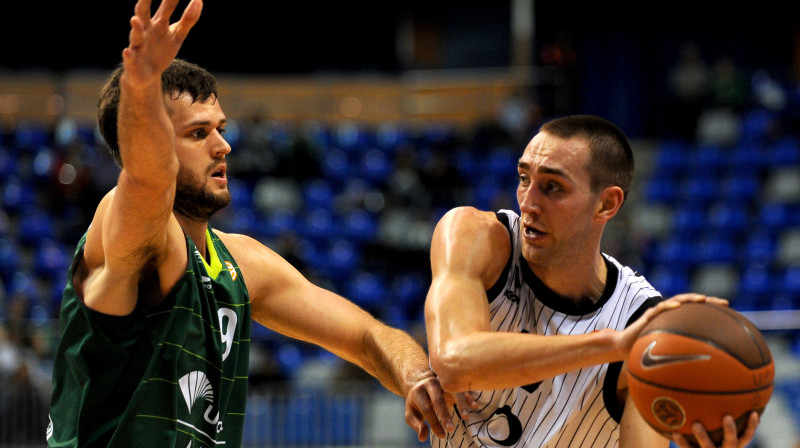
(728, 85)
(689, 92)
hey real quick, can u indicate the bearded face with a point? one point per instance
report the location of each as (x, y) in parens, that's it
(194, 197)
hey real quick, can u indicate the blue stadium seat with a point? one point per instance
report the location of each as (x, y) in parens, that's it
(360, 225)
(775, 216)
(8, 164)
(708, 160)
(756, 125)
(747, 158)
(701, 190)
(729, 219)
(661, 190)
(485, 192)
(501, 162)
(760, 248)
(367, 289)
(409, 289)
(670, 279)
(241, 193)
(277, 223)
(352, 137)
(390, 136)
(318, 194)
(791, 280)
(30, 136)
(17, 195)
(35, 225)
(342, 258)
(51, 258)
(466, 163)
(336, 166)
(689, 220)
(375, 167)
(672, 158)
(785, 151)
(11, 253)
(716, 249)
(676, 250)
(758, 282)
(740, 188)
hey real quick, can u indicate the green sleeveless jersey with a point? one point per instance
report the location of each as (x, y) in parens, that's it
(171, 375)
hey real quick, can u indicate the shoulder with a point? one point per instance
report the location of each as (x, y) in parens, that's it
(262, 268)
(470, 242)
(245, 249)
(470, 221)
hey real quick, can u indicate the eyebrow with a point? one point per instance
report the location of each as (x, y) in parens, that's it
(544, 169)
(205, 123)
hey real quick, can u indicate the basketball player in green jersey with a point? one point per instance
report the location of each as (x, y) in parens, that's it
(156, 313)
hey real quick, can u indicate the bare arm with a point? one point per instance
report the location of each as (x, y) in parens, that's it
(468, 252)
(285, 301)
(134, 226)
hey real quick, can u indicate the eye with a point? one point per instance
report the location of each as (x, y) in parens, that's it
(524, 179)
(552, 187)
(199, 133)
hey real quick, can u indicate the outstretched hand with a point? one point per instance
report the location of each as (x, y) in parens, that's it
(427, 402)
(153, 41)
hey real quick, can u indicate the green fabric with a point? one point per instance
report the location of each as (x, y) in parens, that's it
(173, 375)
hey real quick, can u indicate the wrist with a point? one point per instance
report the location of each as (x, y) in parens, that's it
(612, 343)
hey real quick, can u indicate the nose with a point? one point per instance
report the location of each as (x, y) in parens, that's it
(529, 201)
(220, 146)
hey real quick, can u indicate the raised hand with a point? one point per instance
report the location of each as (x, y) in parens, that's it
(153, 41)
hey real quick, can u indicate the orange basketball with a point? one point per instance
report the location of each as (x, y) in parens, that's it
(698, 363)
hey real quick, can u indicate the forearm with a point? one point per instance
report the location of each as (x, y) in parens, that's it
(395, 359)
(497, 360)
(145, 132)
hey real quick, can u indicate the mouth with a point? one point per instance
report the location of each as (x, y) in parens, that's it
(532, 233)
(219, 171)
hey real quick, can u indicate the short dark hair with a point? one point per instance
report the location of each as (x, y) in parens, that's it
(181, 77)
(611, 158)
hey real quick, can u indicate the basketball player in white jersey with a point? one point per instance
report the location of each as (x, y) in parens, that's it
(528, 314)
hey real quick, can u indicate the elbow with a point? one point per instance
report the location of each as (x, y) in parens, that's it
(449, 364)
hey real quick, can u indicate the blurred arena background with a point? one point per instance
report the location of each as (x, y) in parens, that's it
(355, 126)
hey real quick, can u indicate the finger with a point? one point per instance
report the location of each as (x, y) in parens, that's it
(189, 18)
(165, 10)
(142, 11)
(439, 410)
(701, 435)
(473, 403)
(729, 430)
(414, 420)
(680, 440)
(462, 405)
(750, 431)
(136, 36)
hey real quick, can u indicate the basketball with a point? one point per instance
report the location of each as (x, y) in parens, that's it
(698, 363)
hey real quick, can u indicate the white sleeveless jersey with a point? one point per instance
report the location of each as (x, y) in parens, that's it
(578, 409)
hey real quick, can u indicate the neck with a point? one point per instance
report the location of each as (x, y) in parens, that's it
(196, 230)
(562, 279)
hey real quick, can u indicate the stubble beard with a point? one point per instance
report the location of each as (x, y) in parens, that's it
(193, 201)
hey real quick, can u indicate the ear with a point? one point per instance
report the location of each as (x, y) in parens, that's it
(611, 200)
